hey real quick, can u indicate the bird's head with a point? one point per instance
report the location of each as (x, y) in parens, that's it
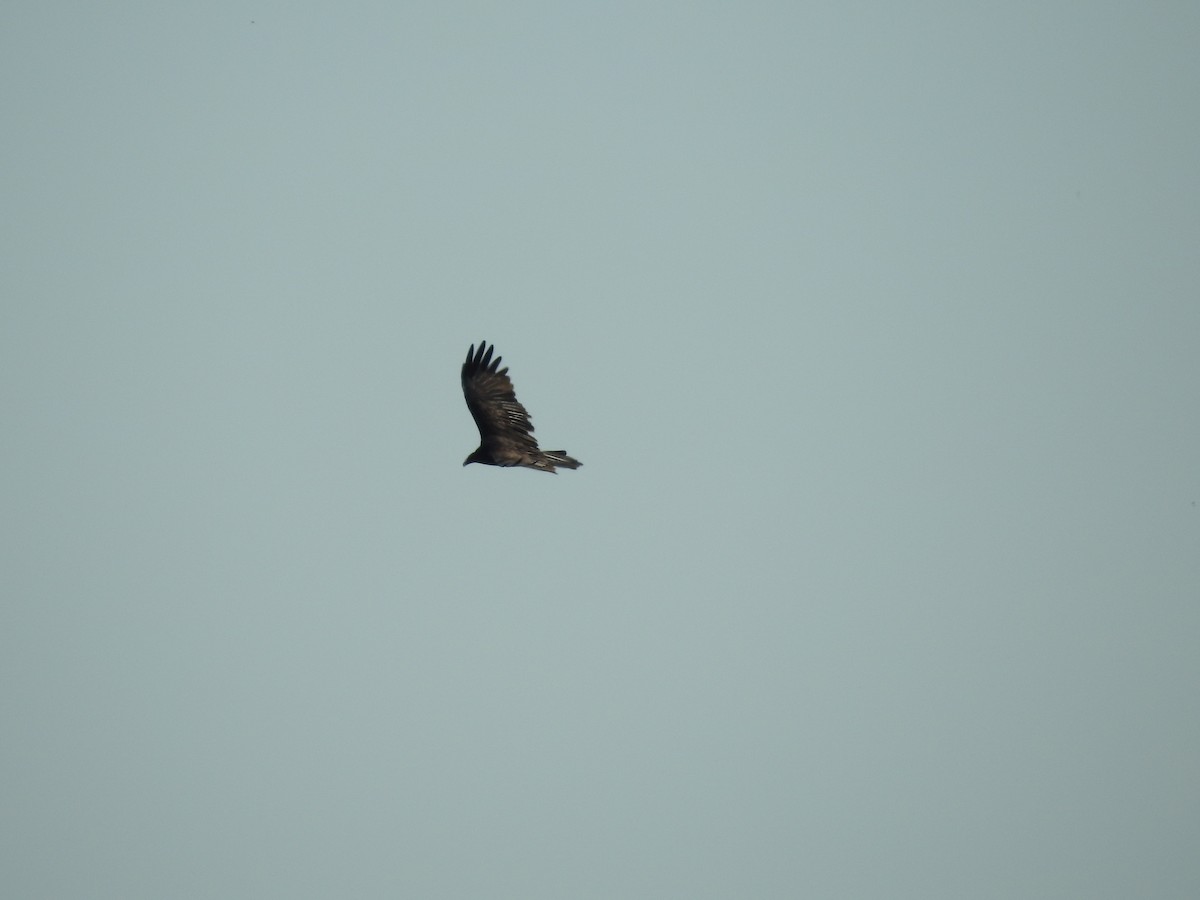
(474, 457)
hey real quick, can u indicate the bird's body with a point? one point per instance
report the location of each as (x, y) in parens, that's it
(505, 431)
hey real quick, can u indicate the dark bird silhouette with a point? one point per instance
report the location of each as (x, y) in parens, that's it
(505, 432)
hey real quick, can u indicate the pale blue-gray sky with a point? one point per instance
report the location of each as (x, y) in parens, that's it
(876, 326)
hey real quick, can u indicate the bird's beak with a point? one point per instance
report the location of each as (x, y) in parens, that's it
(467, 460)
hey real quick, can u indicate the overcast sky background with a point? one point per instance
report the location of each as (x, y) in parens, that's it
(876, 327)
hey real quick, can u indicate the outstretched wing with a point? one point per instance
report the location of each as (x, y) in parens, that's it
(501, 419)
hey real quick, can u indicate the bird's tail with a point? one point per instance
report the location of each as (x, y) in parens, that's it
(559, 458)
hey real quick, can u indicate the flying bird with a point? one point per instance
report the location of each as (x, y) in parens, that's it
(505, 432)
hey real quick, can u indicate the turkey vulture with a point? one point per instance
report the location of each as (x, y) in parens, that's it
(505, 432)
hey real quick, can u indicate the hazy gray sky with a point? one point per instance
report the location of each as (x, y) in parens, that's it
(876, 327)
